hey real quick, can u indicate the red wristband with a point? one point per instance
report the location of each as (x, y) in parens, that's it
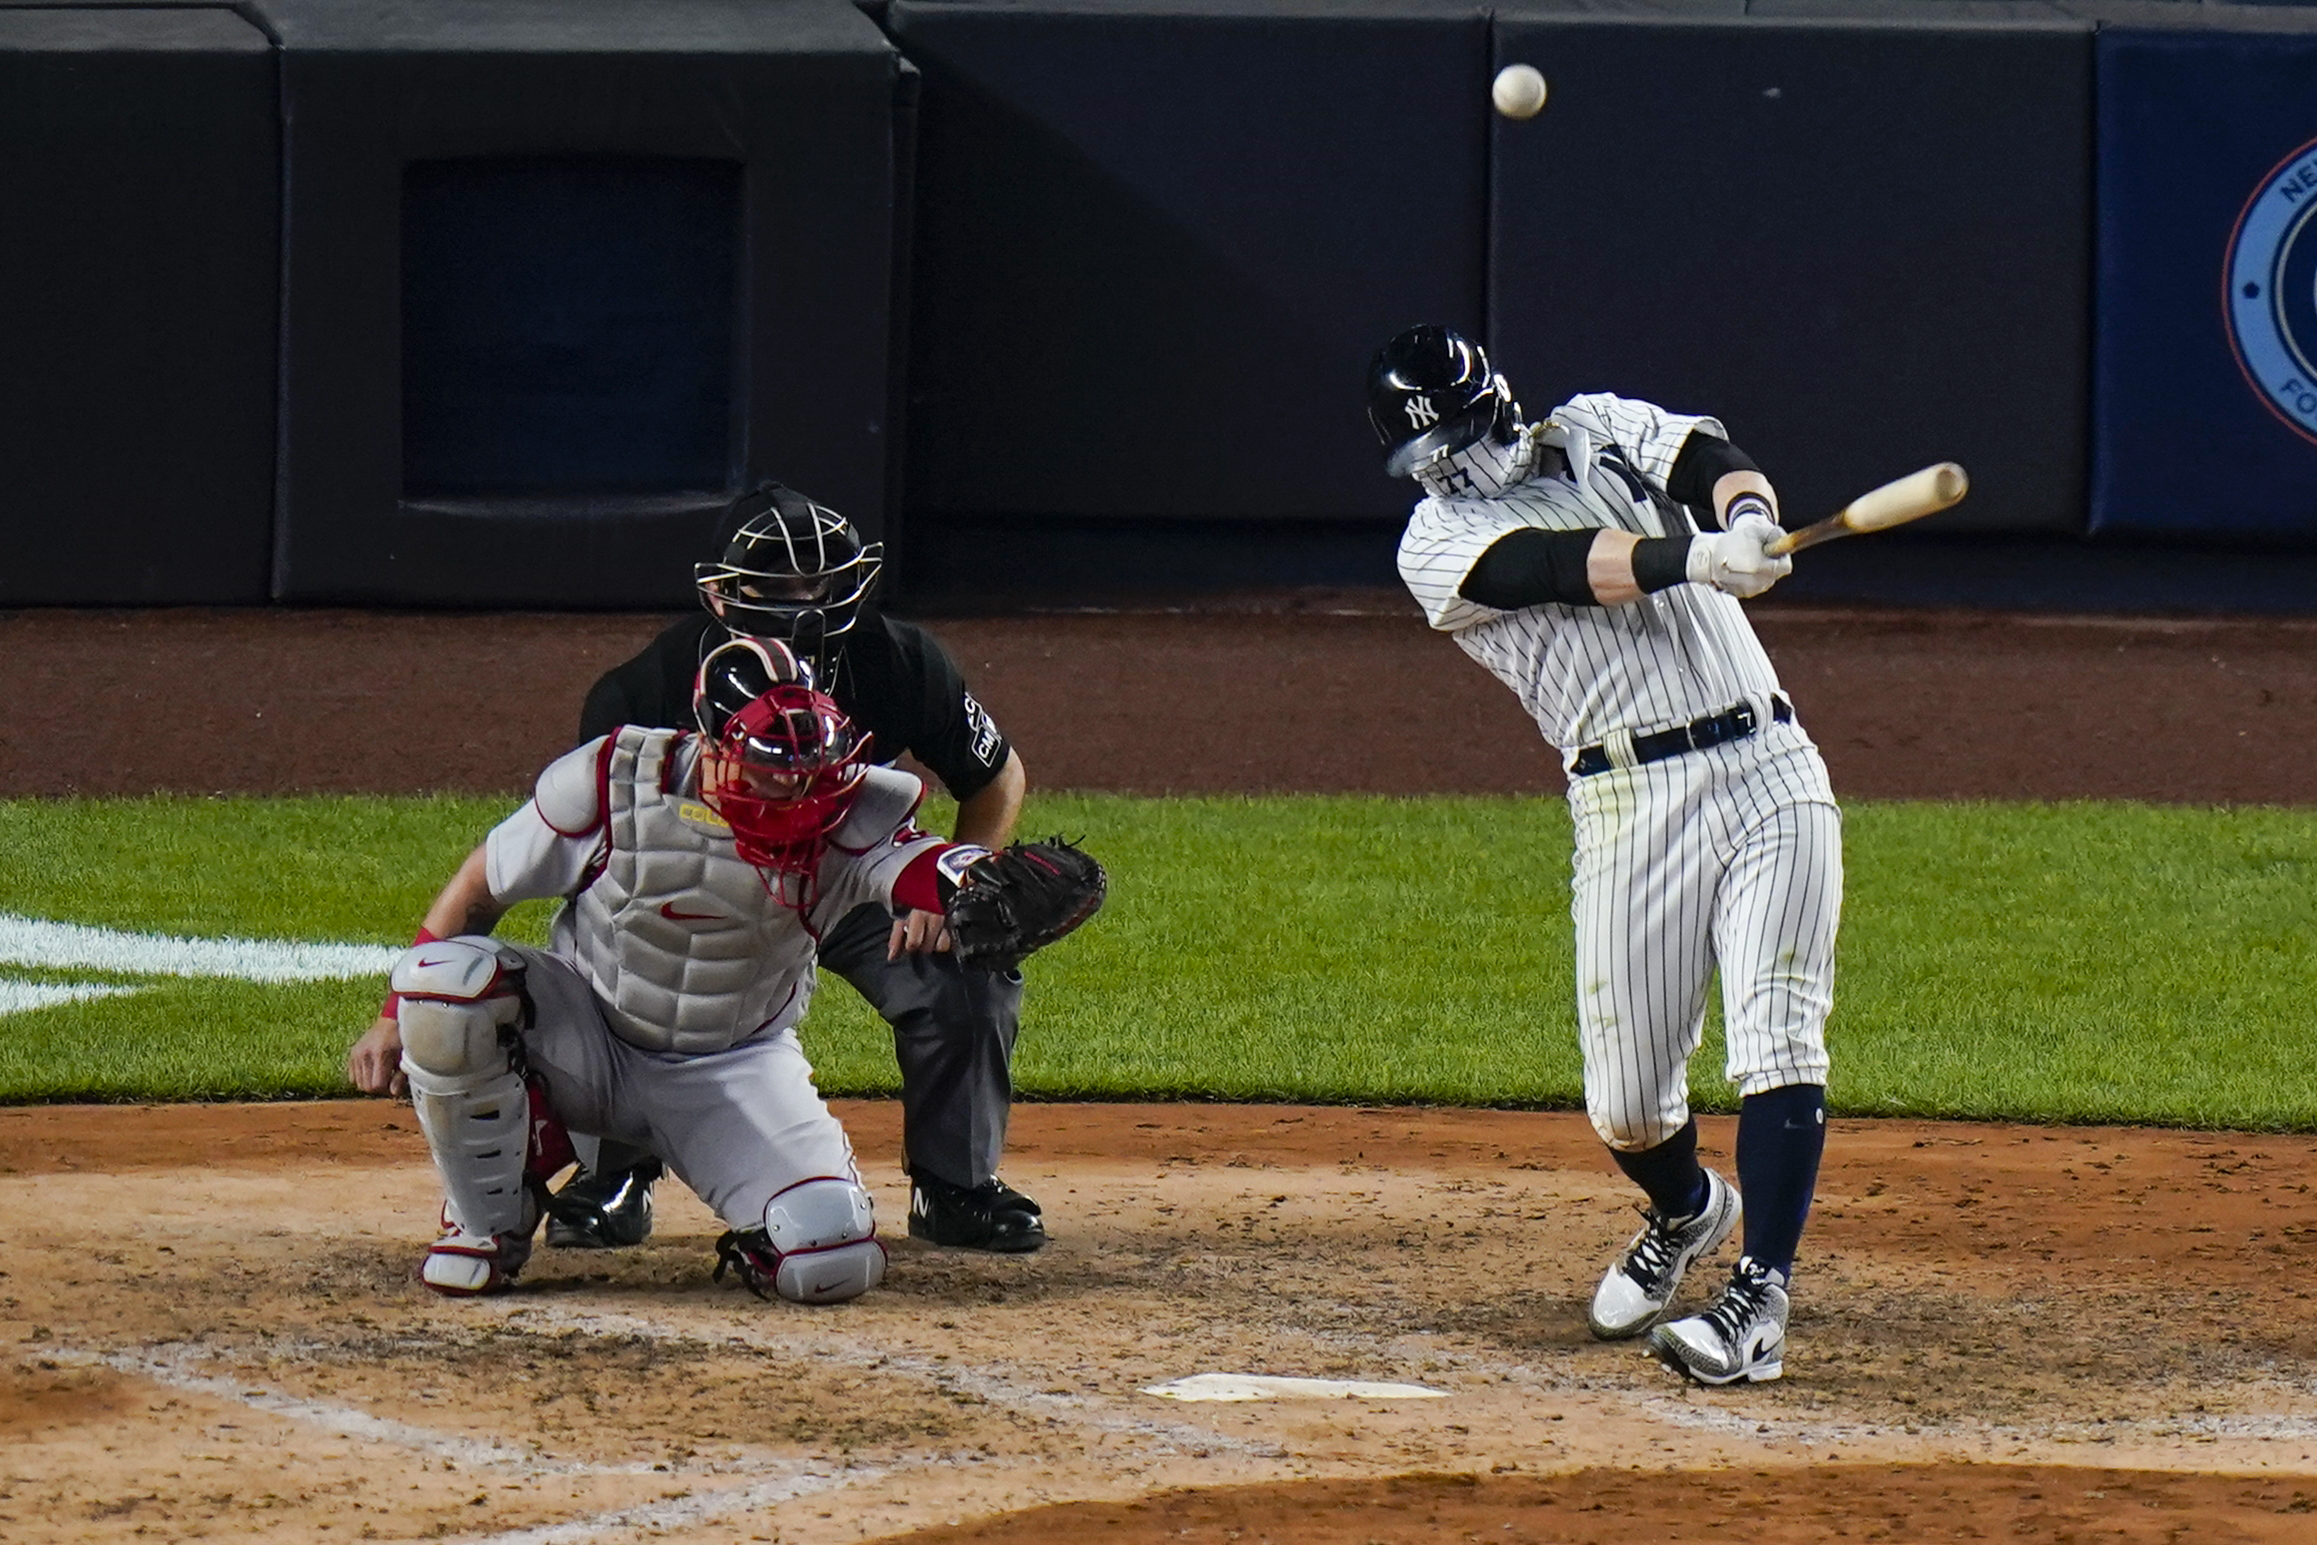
(918, 887)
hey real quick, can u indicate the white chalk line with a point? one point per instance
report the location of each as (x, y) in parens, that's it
(176, 1365)
(20, 997)
(1693, 1413)
(682, 1512)
(1096, 1412)
(1672, 1411)
(35, 941)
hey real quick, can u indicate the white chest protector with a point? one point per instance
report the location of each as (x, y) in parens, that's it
(682, 942)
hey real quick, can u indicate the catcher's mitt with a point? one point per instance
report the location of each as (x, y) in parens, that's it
(1021, 899)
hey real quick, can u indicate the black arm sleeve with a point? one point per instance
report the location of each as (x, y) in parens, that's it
(1704, 461)
(1530, 567)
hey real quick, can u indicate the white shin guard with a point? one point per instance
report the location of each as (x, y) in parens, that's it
(477, 1129)
(459, 997)
(825, 1234)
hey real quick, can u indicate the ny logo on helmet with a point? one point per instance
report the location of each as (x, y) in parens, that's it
(1421, 413)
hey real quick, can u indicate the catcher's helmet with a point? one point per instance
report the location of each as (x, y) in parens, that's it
(779, 762)
(790, 570)
(1430, 390)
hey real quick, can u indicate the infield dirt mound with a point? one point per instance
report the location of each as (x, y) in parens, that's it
(2002, 1332)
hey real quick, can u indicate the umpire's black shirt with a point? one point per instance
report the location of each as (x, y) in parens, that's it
(893, 679)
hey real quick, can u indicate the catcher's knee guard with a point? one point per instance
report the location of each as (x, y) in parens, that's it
(462, 1005)
(818, 1245)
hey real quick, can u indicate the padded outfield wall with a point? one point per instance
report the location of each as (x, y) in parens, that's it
(1156, 241)
(495, 303)
(139, 237)
(437, 302)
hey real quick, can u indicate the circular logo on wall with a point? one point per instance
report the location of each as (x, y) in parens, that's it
(2271, 301)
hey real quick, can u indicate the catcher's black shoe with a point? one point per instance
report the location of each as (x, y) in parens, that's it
(993, 1216)
(603, 1209)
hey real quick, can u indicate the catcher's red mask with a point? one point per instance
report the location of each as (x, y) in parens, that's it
(783, 771)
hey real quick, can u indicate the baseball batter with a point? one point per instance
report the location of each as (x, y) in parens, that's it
(698, 872)
(1565, 558)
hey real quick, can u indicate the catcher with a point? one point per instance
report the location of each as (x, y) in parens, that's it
(789, 568)
(696, 871)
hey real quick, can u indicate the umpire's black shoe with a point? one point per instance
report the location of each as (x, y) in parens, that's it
(994, 1216)
(603, 1209)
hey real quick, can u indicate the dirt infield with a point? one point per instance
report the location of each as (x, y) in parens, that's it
(2016, 1333)
(2019, 1333)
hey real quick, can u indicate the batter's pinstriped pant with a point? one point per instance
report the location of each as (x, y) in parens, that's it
(1728, 856)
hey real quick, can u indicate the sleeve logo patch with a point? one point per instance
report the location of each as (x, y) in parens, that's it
(957, 860)
(985, 731)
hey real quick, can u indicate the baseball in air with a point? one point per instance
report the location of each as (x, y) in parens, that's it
(1519, 91)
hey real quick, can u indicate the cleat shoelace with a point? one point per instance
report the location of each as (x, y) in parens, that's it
(1653, 1257)
(1740, 1303)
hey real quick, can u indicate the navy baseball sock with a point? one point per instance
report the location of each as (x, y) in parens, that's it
(1669, 1173)
(1781, 1133)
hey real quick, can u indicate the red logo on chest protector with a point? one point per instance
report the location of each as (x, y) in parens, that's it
(668, 911)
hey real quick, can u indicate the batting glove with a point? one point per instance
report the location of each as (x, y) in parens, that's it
(1736, 561)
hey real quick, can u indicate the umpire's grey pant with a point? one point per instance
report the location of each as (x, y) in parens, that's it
(953, 1035)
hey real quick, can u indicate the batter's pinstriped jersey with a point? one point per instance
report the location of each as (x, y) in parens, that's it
(1586, 672)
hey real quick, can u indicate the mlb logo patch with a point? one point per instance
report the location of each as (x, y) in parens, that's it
(985, 731)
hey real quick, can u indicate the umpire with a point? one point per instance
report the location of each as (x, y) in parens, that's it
(796, 571)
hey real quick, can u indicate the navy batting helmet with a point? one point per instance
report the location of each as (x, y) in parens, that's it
(1430, 390)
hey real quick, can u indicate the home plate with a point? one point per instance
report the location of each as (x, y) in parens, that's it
(1257, 1386)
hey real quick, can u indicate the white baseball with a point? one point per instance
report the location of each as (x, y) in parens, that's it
(1519, 91)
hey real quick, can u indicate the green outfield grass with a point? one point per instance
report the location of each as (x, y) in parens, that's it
(2077, 962)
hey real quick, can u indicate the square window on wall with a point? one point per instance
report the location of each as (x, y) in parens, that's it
(570, 326)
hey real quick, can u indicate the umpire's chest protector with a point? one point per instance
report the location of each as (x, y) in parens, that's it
(684, 946)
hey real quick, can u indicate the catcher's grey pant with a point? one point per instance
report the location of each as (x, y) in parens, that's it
(1730, 856)
(953, 1035)
(737, 1126)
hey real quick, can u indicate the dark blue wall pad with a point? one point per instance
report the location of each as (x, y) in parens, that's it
(2205, 399)
(761, 135)
(1156, 245)
(568, 324)
(139, 242)
(1864, 244)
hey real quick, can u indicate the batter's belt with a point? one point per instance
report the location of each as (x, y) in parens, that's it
(1712, 730)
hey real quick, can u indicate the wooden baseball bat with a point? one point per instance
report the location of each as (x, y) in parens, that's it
(1894, 504)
